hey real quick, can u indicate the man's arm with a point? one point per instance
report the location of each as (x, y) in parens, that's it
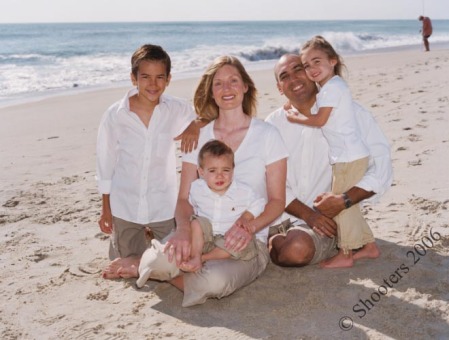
(331, 205)
(377, 179)
(321, 224)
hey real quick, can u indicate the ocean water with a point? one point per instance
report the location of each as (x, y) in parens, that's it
(46, 59)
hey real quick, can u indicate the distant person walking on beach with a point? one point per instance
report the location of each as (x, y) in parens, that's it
(348, 153)
(136, 161)
(426, 30)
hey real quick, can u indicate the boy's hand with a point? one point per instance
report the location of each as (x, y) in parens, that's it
(189, 137)
(105, 221)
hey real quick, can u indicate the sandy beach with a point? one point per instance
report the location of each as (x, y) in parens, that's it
(52, 250)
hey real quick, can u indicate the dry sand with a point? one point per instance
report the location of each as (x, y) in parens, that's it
(52, 251)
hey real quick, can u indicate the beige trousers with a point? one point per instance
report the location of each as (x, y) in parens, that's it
(353, 231)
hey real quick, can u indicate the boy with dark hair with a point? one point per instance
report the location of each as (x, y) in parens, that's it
(136, 161)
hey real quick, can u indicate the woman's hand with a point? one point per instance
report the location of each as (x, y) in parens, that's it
(237, 237)
(178, 247)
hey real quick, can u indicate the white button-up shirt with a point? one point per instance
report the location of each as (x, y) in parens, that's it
(136, 165)
(223, 210)
(309, 172)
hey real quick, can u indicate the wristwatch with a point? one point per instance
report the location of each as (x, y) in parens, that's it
(348, 202)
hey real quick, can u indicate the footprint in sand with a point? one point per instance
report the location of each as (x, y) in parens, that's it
(100, 296)
(414, 137)
(85, 269)
(415, 162)
(52, 202)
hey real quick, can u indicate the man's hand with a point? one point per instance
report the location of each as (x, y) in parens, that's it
(329, 204)
(322, 225)
(179, 246)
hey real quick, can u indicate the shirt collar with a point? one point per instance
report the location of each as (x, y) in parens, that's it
(124, 104)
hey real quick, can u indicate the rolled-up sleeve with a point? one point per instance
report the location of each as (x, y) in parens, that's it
(379, 176)
(106, 151)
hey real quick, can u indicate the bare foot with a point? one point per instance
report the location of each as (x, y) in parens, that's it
(338, 261)
(178, 282)
(122, 268)
(110, 272)
(368, 251)
(192, 265)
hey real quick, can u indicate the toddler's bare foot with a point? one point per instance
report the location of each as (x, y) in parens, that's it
(338, 261)
(192, 265)
(368, 251)
(122, 268)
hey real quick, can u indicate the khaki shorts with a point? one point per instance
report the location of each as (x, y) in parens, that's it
(129, 239)
(325, 247)
(211, 241)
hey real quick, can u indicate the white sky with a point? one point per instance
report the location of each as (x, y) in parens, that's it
(27, 11)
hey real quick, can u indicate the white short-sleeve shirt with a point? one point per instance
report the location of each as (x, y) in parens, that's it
(136, 165)
(261, 146)
(341, 130)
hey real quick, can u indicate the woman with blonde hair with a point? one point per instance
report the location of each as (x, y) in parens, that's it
(226, 96)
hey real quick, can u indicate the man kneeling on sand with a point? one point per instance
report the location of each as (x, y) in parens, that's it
(308, 233)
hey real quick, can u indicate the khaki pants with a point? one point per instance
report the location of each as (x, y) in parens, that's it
(129, 239)
(353, 231)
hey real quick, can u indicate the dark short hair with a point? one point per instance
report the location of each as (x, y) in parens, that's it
(151, 53)
(215, 148)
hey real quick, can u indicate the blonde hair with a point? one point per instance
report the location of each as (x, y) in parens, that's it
(203, 100)
(318, 42)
